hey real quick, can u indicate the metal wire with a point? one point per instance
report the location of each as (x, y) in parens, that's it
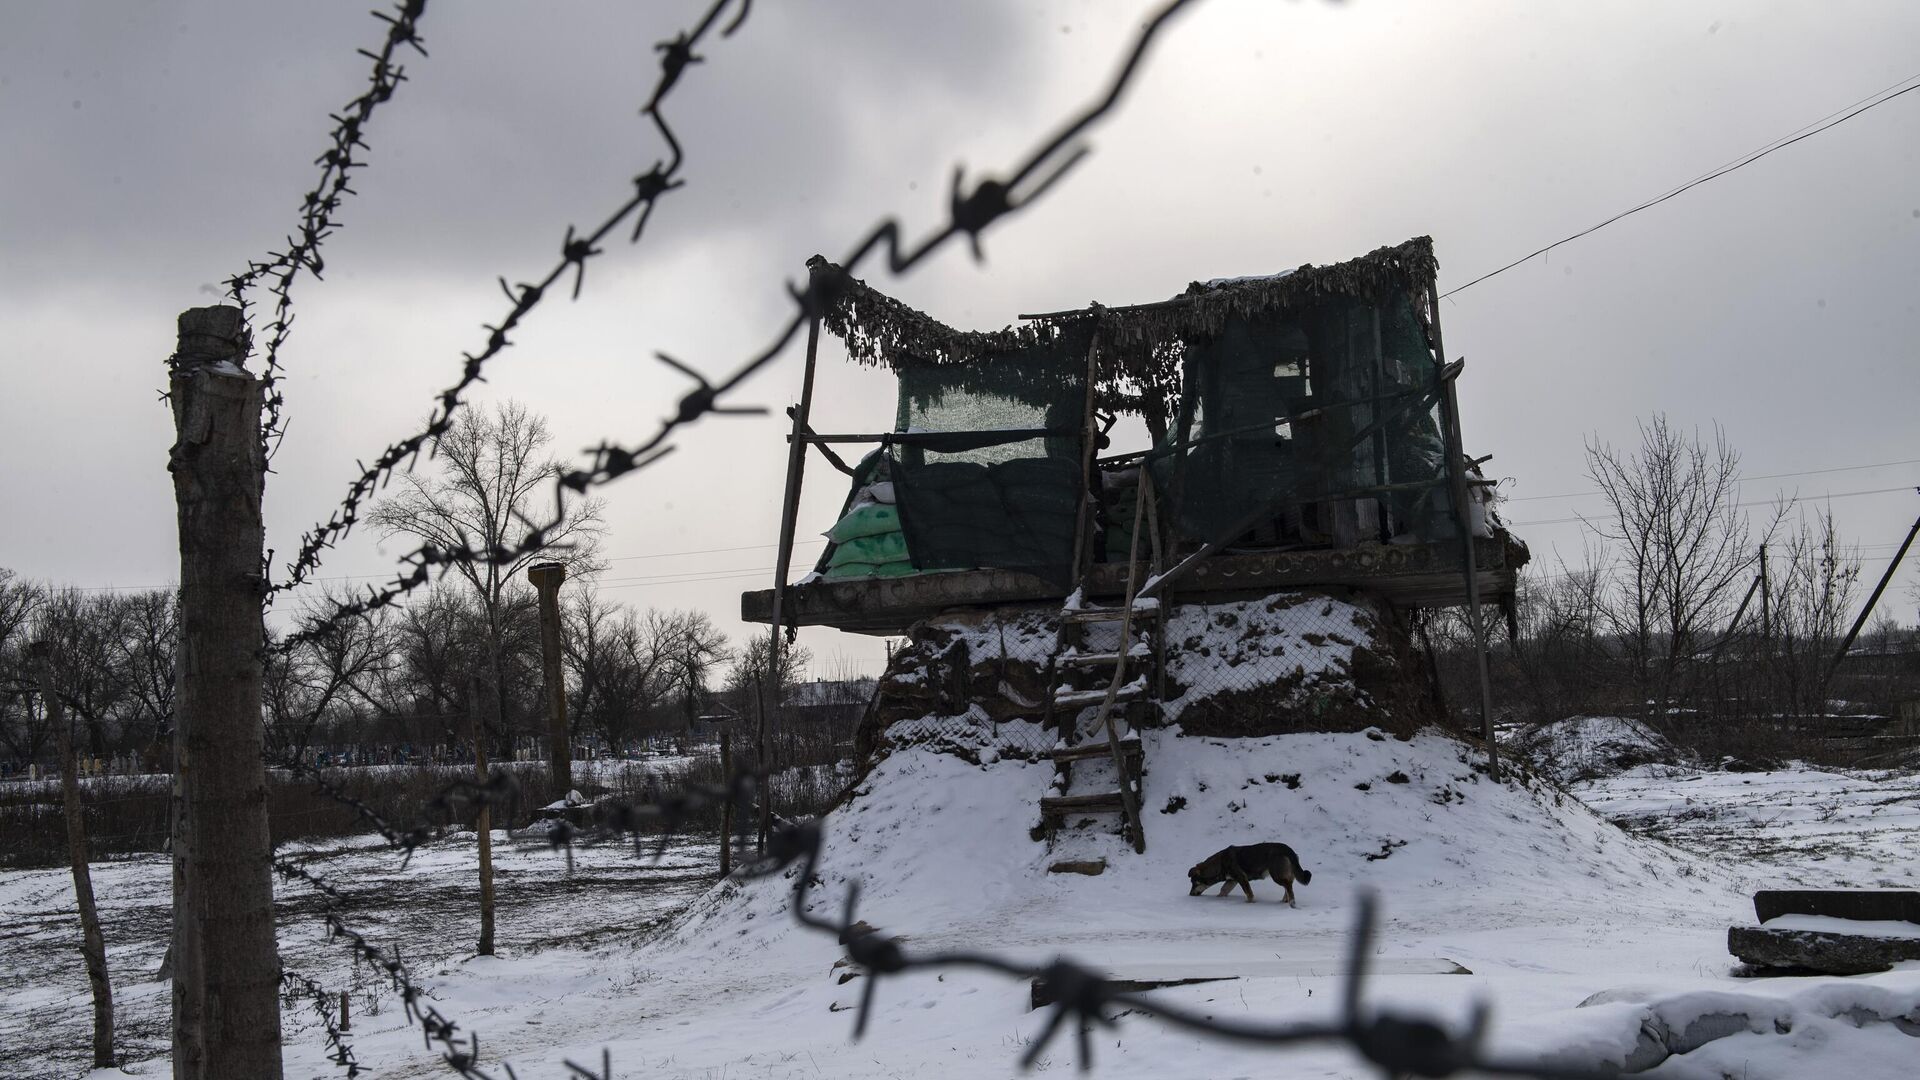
(318, 207)
(576, 247)
(972, 208)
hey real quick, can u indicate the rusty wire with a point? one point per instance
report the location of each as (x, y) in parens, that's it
(461, 1053)
(317, 208)
(295, 988)
(576, 247)
(972, 208)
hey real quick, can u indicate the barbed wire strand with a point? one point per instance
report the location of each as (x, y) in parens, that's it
(296, 987)
(676, 55)
(319, 205)
(460, 1053)
(972, 209)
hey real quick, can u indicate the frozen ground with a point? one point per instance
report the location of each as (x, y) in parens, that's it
(429, 910)
(1787, 828)
(1547, 901)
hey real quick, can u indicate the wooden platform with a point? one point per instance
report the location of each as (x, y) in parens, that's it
(1410, 575)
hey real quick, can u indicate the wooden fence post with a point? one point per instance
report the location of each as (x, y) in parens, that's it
(483, 823)
(227, 964)
(726, 808)
(546, 577)
(93, 944)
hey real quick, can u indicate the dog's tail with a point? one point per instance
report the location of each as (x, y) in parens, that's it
(1300, 873)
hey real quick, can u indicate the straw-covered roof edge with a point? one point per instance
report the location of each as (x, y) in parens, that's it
(1140, 346)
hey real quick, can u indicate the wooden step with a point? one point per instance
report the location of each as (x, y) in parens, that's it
(1100, 802)
(1075, 699)
(1141, 612)
(1096, 748)
(1104, 659)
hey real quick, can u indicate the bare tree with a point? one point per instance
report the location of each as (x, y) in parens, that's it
(24, 730)
(629, 668)
(493, 468)
(149, 639)
(84, 632)
(748, 677)
(317, 685)
(699, 648)
(1673, 517)
(1811, 597)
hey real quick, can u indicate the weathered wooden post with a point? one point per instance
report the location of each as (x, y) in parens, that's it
(769, 697)
(226, 982)
(93, 945)
(546, 577)
(726, 808)
(483, 821)
(1463, 522)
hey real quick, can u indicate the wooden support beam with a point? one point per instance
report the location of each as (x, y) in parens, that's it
(783, 564)
(1463, 517)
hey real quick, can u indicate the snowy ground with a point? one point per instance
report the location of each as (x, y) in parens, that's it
(428, 910)
(1545, 900)
(1795, 827)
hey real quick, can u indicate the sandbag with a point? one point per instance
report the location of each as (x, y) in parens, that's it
(849, 570)
(879, 548)
(869, 520)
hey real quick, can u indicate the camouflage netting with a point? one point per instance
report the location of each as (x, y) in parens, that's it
(976, 682)
(1141, 349)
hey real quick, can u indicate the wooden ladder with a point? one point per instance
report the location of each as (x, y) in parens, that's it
(1138, 695)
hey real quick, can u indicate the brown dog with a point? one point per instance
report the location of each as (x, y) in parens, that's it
(1243, 866)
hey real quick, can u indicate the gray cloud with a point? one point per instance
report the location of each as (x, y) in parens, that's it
(1780, 301)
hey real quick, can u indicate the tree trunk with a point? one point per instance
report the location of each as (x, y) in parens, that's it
(483, 823)
(93, 944)
(226, 961)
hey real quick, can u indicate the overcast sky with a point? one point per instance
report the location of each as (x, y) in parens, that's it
(152, 149)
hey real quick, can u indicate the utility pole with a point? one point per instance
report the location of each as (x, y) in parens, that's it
(93, 944)
(1766, 604)
(226, 970)
(546, 577)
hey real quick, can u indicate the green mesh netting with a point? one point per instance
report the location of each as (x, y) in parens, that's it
(1318, 421)
(986, 469)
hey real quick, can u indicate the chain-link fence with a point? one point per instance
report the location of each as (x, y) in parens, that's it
(1011, 681)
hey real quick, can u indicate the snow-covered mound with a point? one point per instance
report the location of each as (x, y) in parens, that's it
(942, 850)
(1590, 747)
(1544, 901)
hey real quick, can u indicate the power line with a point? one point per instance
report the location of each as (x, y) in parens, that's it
(1751, 502)
(1871, 101)
(710, 551)
(1744, 479)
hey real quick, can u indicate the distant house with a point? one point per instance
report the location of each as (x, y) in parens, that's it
(822, 701)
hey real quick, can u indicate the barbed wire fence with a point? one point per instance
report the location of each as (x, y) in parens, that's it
(1395, 1043)
(676, 56)
(320, 204)
(972, 208)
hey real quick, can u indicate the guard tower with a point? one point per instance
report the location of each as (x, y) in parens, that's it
(1293, 431)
